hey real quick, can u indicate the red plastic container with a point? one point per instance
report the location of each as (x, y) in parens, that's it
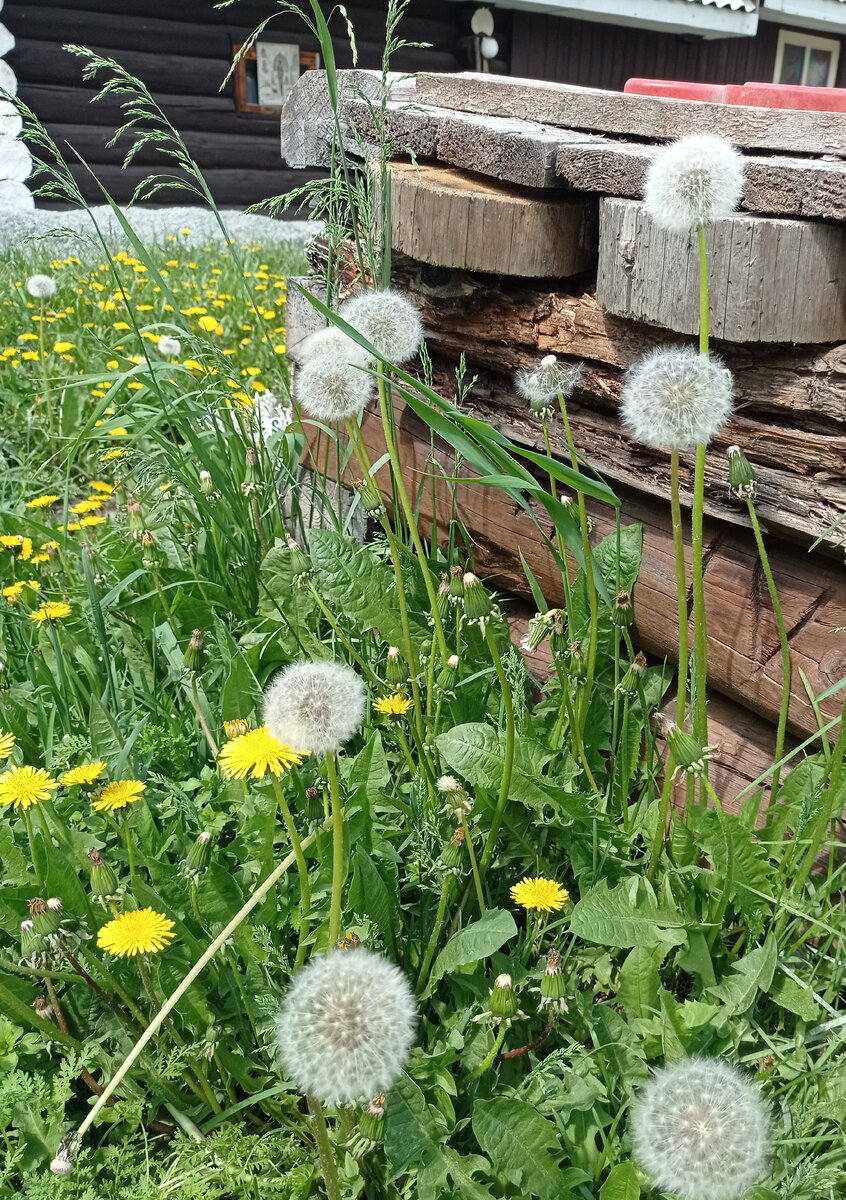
(754, 95)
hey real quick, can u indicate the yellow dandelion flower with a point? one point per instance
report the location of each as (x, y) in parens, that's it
(89, 505)
(22, 787)
(30, 356)
(255, 754)
(7, 743)
(26, 549)
(49, 546)
(545, 895)
(120, 324)
(10, 541)
(112, 364)
(100, 486)
(83, 776)
(87, 522)
(62, 347)
(39, 558)
(110, 455)
(42, 501)
(118, 432)
(50, 610)
(28, 337)
(209, 324)
(140, 931)
(12, 592)
(118, 794)
(392, 706)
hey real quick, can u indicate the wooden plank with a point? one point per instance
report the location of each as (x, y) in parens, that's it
(308, 123)
(451, 218)
(650, 117)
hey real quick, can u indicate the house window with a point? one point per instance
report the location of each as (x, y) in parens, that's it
(265, 73)
(806, 60)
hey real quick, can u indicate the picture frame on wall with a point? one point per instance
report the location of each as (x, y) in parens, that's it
(265, 73)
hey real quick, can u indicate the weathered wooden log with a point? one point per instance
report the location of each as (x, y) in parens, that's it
(648, 117)
(451, 218)
(769, 279)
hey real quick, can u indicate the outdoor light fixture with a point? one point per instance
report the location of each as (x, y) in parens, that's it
(485, 45)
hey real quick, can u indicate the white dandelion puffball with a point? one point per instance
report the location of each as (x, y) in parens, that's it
(333, 387)
(692, 182)
(388, 320)
(547, 380)
(314, 707)
(676, 399)
(41, 287)
(169, 347)
(331, 340)
(701, 1130)
(346, 1026)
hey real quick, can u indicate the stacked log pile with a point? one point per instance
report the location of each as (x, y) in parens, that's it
(521, 237)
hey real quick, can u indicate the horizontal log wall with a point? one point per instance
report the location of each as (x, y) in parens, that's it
(182, 53)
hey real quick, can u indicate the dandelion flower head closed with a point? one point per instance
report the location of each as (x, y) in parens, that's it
(41, 287)
(346, 1026)
(676, 399)
(141, 931)
(388, 320)
(544, 895)
(692, 182)
(315, 706)
(701, 1130)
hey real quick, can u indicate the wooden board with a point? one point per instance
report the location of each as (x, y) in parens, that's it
(770, 279)
(451, 218)
(639, 116)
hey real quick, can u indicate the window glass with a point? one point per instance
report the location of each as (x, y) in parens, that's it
(792, 64)
(819, 63)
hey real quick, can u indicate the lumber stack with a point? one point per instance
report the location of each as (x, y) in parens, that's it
(519, 238)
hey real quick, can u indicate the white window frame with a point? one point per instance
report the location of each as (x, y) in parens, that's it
(795, 37)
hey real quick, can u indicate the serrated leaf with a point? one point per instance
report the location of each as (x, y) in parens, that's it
(789, 994)
(355, 583)
(640, 981)
(476, 941)
(617, 1042)
(753, 973)
(626, 916)
(622, 1183)
(378, 902)
(523, 1146)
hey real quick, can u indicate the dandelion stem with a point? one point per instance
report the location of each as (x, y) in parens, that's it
(27, 820)
(324, 1150)
(785, 649)
(729, 879)
(681, 587)
(487, 1061)
(45, 379)
(337, 849)
(474, 867)
(195, 698)
(700, 635)
(302, 869)
(508, 765)
(663, 812)
(434, 937)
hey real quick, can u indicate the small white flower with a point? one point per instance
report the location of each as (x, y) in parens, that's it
(547, 380)
(333, 386)
(388, 320)
(273, 415)
(676, 399)
(314, 707)
(41, 287)
(169, 347)
(692, 182)
(701, 1130)
(346, 1026)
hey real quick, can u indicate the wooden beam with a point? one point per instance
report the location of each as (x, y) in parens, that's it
(791, 288)
(452, 218)
(648, 117)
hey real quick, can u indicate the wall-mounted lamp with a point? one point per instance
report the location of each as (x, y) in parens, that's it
(485, 46)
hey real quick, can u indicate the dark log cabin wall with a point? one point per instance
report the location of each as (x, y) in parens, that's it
(594, 54)
(182, 52)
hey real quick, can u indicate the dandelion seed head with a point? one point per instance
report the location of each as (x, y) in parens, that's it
(335, 386)
(314, 707)
(676, 399)
(701, 1130)
(388, 320)
(169, 347)
(331, 340)
(693, 182)
(547, 380)
(346, 1026)
(41, 287)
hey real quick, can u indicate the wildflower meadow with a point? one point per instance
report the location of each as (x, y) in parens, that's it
(310, 887)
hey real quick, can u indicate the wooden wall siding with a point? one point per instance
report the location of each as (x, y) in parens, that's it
(598, 55)
(182, 53)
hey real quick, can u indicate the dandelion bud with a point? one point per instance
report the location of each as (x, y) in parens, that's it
(43, 1008)
(388, 320)
(199, 856)
(41, 287)
(314, 707)
(45, 917)
(693, 182)
(346, 1026)
(622, 613)
(149, 558)
(630, 682)
(503, 1002)
(558, 643)
(134, 520)
(371, 1128)
(676, 399)
(395, 669)
(300, 565)
(314, 808)
(543, 383)
(448, 675)
(206, 483)
(62, 1164)
(577, 667)
(450, 859)
(30, 942)
(478, 605)
(235, 729)
(456, 584)
(689, 756)
(193, 657)
(334, 387)
(105, 889)
(457, 803)
(743, 482)
(169, 347)
(552, 984)
(701, 1130)
(537, 632)
(371, 497)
